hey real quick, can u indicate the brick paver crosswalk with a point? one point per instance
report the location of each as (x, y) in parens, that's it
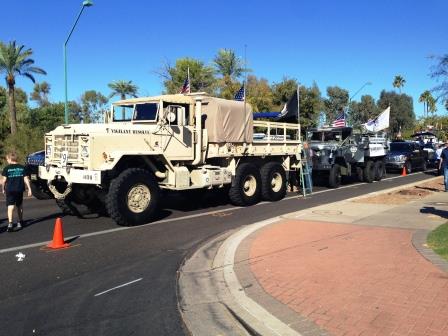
(352, 279)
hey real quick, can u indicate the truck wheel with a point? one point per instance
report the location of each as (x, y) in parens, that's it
(334, 180)
(369, 172)
(424, 165)
(359, 174)
(273, 182)
(66, 207)
(246, 188)
(40, 190)
(379, 170)
(133, 197)
(70, 207)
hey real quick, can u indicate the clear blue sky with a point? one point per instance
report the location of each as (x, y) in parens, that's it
(345, 43)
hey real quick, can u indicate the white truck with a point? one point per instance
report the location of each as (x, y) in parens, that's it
(175, 142)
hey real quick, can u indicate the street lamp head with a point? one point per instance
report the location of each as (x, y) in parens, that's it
(87, 3)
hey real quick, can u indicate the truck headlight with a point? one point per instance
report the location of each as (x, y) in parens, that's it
(84, 152)
(48, 151)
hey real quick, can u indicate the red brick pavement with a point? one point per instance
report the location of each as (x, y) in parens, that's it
(352, 280)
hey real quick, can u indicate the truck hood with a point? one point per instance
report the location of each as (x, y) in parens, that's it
(115, 128)
(318, 145)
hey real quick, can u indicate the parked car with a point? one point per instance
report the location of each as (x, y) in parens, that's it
(406, 154)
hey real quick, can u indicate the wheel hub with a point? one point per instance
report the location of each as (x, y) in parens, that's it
(276, 182)
(139, 197)
(250, 186)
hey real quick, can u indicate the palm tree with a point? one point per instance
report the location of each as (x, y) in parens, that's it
(399, 82)
(40, 93)
(15, 60)
(123, 88)
(426, 98)
(228, 65)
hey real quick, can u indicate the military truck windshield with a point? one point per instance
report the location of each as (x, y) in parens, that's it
(400, 147)
(146, 111)
(123, 112)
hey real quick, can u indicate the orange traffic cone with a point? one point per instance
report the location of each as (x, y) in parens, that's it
(403, 173)
(58, 236)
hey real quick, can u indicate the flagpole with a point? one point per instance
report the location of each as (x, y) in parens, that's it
(298, 110)
(189, 82)
(245, 78)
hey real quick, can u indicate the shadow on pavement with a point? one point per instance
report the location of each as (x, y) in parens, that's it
(434, 211)
(31, 222)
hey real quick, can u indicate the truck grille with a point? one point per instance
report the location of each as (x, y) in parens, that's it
(69, 143)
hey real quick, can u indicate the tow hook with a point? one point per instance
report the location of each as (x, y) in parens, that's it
(58, 195)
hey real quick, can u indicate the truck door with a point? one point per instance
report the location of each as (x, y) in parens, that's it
(180, 143)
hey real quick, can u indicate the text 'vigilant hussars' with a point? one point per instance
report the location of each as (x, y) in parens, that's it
(127, 131)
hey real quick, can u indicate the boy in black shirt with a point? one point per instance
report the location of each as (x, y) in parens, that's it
(14, 181)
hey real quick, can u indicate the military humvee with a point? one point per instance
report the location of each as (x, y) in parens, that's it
(340, 151)
(174, 142)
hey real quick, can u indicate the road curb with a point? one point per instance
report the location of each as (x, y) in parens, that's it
(212, 299)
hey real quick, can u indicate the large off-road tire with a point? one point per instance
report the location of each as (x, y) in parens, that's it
(71, 207)
(67, 207)
(273, 182)
(369, 171)
(359, 174)
(335, 178)
(40, 190)
(246, 188)
(424, 165)
(379, 170)
(133, 197)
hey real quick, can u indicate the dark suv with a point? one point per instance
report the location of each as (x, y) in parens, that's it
(406, 154)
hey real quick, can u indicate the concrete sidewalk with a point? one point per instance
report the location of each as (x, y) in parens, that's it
(347, 268)
(352, 268)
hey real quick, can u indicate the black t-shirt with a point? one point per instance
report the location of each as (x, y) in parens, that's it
(14, 173)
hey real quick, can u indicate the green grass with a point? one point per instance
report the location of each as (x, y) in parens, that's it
(438, 240)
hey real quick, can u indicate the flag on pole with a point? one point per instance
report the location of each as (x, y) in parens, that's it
(379, 123)
(290, 112)
(240, 95)
(186, 87)
(339, 121)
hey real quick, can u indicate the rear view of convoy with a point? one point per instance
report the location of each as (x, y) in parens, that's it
(171, 142)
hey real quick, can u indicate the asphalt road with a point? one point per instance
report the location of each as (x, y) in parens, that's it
(122, 281)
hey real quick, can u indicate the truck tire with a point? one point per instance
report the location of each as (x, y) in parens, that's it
(133, 197)
(246, 188)
(70, 207)
(359, 174)
(379, 170)
(369, 172)
(408, 167)
(273, 182)
(66, 207)
(424, 165)
(40, 191)
(334, 180)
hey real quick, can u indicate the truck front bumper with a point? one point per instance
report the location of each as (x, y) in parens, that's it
(394, 165)
(70, 175)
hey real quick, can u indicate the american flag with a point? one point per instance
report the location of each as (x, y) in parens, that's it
(240, 94)
(339, 121)
(186, 87)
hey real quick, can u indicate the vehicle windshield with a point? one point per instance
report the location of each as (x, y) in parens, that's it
(138, 112)
(123, 112)
(325, 136)
(399, 147)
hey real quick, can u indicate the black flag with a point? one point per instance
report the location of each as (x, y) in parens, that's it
(290, 112)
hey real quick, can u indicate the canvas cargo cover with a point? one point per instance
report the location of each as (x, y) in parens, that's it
(226, 121)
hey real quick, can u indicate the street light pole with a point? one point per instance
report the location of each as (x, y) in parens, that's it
(86, 3)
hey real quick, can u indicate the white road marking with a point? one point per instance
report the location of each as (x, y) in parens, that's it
(114, 288)
(202, 214)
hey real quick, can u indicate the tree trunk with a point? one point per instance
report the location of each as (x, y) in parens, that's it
(123, 110)
(12, 109)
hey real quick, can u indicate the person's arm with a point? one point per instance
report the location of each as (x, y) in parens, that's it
(440, 161)
(28, 185)
(3, 180)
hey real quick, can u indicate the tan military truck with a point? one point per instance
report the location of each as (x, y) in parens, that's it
(175, 142)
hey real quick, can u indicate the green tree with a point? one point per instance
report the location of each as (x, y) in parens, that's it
(439, 72)
(360, 113)
(401, 110)
(229, 67)
(282, 91)
(398, 82)
(40, 93)
(201, 76)
(259, 94)
(15, 60)
(426, 98)
(51, 115)
(336, 102)
(122, 89)
(310, 104)
(93, 105)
